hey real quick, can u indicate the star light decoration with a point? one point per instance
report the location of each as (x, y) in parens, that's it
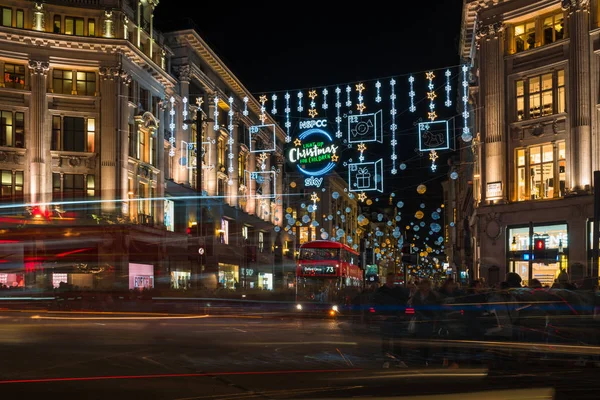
(431, 96)
(433, 156)
(362, 197)
(262, 99)
(334, 157)
(361, 147)
(297, 142)
(312, 113)
(360, 87)
(263, 158)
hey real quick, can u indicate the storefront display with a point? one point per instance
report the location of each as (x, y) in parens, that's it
(141, 276)
(181, 280)
(265, 281)
(522, 259)
(12, 280)
(229, 276)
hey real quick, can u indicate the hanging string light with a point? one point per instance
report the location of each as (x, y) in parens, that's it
(411, 94)
(184, 126)
(325, 106)
(448, 88)
(338, 118)
(360, 87)
(288, 124)
(433, 156)
(172, 127)
(378, 92)
(431, 96)
(230, 141)
(361, 148)
(312, 111)
(348, 101)
(263, 99)
(216, 113)
(274, 108)
(245, 112)
(393, 126)
(467, 136)
(300, 108)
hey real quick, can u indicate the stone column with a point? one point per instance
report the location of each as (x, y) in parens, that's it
(160, 155)
(234, 175)
(580, 171)
(123, 130)
(278, 218)
(38, 154)
(251, 203)
(490, 39)
(181, 172)
(210, 173)
(109, 126)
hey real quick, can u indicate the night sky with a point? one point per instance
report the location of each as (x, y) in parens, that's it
(275, 46)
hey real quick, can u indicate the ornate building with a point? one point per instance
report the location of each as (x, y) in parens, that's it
(534, 99)
(97, 156)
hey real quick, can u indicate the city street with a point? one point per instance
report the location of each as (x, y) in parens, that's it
(115, 356)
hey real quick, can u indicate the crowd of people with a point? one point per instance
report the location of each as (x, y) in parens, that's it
(424, 310)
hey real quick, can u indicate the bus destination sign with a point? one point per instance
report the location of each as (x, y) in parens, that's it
(318, 270)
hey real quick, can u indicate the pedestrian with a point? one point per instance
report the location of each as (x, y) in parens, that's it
(426, 305)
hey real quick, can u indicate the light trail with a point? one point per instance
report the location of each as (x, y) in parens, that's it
(147, 318)
(189, 375)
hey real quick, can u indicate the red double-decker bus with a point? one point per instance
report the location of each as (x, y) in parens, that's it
(327, 276)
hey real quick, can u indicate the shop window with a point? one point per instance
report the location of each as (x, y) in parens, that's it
(14, 76)
(74, 26)
(541, 171)
(20, 19)
(540, 95)
(62, 81)
(57, 279)
(229, 276)
(12, 129)
(86, 83)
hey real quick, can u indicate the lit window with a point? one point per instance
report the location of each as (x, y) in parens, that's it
(74, 26)
(541, 31)
(6, 17)
(57, 23)
(525, 36)
(261, 241)
(14, 76)
(245, 232)
(540, 95)
(86, 83)
(62, 81)
(91, 134)
(224, 231)
(554, 28)
(91, 27)
(20, 18)
(537, 169)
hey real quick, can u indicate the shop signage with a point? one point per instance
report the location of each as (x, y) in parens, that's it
(494, 189)
(313, 152)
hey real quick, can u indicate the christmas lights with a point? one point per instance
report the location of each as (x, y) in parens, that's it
(230, 141)
(288, 124)
(448, 88)
(431, 95)
(361, 105)
(312, 111)
(338, 118)
(325, 105)
(378, 93)
(348, 101)
(274, 108)
(393, 126)
(184, 126)
(216, 114)
(245, 112)
(411, 94)
(263, 99)
(172, 127)
(467, 136)
(300, 108)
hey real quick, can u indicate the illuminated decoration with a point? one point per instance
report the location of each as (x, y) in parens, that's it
(288, 124)
(216, 114)
(262, 99)
(325, 106)
(348, 101)
(312, 113)
(300, 108)
(448, 88)
(230, 141)
(274, 108)
(261, 184)
(393, 125)
(360, 87)
(314, 152)
(184, 126)
(267, 130)
(411, 94)
(263, 159)
(431, 96)
(434, 135)
(378, 89)
(362, 197)
(433, 156)
(313, 95)
(172, 127)
(467, 136)
(366, 176)
(361, 147)
(245, 112)
(365, 128)
(338, 118)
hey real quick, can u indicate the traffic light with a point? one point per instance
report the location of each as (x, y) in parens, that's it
(539, 249)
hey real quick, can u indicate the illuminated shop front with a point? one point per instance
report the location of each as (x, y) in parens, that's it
(265, 280)
(521, 257)
(141, 276)
(229, 276)
(181, 280)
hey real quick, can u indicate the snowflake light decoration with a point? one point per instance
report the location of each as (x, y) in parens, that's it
(245, 112)
(216, 114)
(338, 118)
(467, 136)
(411, 94)
(184, 126)
(348, 101)
(300, 108)
(230, 141)
(378, 92)
(448, 88)
(325, 106)
(360, 87)
(274, 108)
(393, 125)
(172, 127)
(288, 124)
